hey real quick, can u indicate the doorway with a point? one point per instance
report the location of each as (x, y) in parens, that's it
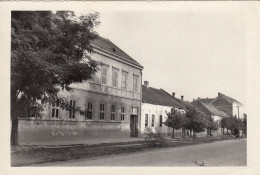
(133, 126)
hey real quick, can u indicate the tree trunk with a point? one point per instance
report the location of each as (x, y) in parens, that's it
(190, 132)
(193, 135)
(14, 132)
(183, 132)
(14, 119)
(173, 133)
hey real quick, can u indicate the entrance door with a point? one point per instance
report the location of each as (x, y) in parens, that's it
(133, 126)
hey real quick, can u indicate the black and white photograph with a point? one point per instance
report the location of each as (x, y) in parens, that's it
(132, 85)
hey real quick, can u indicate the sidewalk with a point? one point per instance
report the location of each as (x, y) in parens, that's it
(84, 142)
(105, 141)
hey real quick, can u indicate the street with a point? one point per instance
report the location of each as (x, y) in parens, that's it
(220, 153)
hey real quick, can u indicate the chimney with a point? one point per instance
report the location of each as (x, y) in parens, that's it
(219, 93)
(146, 84)
(173, 94)
(198, 97)
(182, 97)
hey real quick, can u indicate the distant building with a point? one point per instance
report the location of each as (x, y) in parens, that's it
(228, 105)
(156, 103)
(212, 112)
(113, 98)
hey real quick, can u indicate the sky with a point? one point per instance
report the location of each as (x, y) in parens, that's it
(192, 53)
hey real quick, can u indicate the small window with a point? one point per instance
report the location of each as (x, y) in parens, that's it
(160, 123)
(113, 111)
(114, 77)
(124, 80)
(104, 70)
(72, 109)
(122, 113)
(152, 120)
(146, 120)
(135, 83)
(102, 111)
(55, 109)
(53, 113)
(90, 111)
(57, 113)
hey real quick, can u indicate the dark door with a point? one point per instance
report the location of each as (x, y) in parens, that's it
(133, 126)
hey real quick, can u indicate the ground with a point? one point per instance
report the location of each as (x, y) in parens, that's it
(220, 153)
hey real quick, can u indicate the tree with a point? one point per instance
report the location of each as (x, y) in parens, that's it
(46, 56)
(223, 123)
(232, 123)
(245, 124)
(175, 120)
(211, 124)
(196, 120)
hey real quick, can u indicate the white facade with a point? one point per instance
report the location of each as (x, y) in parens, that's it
(160, 115)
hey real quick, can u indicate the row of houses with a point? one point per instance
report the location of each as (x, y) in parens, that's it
(119, 105)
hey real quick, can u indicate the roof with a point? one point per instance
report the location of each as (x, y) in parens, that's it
(206, 100)
(210, 108)
(107, 45)
(159, 97)
(186, 103)
(227, 98)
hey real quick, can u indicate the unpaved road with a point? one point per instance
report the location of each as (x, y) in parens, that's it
(220, 153)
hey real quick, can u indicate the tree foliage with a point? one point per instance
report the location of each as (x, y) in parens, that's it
(47, 55)
(211, 124)
(232, 123)
(175, 119)
(196, 120)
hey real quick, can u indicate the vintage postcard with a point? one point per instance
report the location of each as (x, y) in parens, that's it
(130, 87)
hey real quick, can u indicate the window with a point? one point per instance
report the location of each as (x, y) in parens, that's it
(113, 111)
(53, 113)
(124, 80)
(152, 120)
(160, 123)
(104, 70)
(72, 109)
(114, 77)
(57, 113)
(146, 120)
(55, 109)
(90, 109)
(135, 83)
(102, 111)
(122, 113)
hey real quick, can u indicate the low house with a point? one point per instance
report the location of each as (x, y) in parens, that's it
(156, 103)
(214, 113)
(112, 97)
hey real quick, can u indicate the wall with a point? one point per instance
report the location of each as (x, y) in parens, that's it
(111, 63)
(31, 131)
(157, 110)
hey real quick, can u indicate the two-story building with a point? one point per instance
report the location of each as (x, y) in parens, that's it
(228, 105)
(112, 97)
